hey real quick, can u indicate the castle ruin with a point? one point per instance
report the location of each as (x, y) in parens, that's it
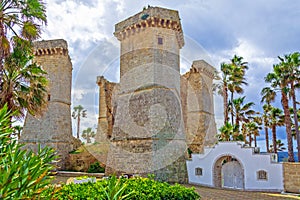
(152, 117)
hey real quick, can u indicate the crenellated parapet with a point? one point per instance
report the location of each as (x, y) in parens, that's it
(51, 47)
(52, 51)
(151, 17)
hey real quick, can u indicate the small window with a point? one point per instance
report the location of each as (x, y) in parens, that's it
(198, 171)
(262, 175)
(160, 40)
(49, 97)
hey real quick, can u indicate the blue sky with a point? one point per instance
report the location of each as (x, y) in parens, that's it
(214, 30)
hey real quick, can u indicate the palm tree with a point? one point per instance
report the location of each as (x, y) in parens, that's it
(24, 85)
(25, 17)
(236, 78)
(266, 122)
(291, 63)
(279, 146)
(225, 132)
(268, 96)
(229, 132)
(279, 79)
(293, 125)
(244, 132)
(77, 114)
(225, 69)
(232, 78)
(276, 119)
(241, 110)
(258, 121)
(88, 134)
(253, 128)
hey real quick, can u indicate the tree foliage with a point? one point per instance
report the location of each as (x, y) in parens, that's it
(19, 20)
(280, 80)
(88, 134)
(24, 86)
(77, 114)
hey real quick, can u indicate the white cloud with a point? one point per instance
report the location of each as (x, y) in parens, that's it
(74, 20)
(214, 31)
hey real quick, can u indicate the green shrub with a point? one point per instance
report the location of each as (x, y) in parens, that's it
(149, 189)
(23, 175)
(96, 168)
(134, 188)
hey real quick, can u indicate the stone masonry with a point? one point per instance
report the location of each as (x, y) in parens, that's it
(54, 127)
(291, 176)
(148, 133)
(153, 115)
(198, 107)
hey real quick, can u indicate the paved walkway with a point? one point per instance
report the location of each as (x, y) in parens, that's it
(222, 194)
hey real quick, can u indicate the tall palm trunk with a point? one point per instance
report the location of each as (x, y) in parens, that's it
(255, 141)
(237, 121)
(78, 124)
(244, 131)
(295, 118)
(288, 125)
(267, 138)
(231, 102)
(250, 140)
(274, 138)
(225, 102)
(88, 140)
(2, 54)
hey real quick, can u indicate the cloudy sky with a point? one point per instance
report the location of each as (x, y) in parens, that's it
(214, 30)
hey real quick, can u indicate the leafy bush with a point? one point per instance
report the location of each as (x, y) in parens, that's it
(23, 175)
(135, 188)
(148, 189)
(114, 189)
(96, 168)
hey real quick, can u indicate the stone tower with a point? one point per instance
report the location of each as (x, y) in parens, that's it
(198, 106)
(148, 131)
(54, 128)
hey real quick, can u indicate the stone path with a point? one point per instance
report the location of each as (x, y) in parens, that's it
(222, 194)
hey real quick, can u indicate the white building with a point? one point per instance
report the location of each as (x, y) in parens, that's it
(229, 164)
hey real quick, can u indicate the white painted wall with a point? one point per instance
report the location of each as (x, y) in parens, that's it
(250, 162)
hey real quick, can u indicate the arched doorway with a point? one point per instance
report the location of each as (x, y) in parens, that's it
(228, 172)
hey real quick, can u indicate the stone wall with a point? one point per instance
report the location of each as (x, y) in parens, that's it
(106, 108)
(291, 177)
(54, 127)
(198, 106)
(80, 161)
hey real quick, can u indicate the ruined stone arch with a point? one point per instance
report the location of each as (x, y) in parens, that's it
(218, 166)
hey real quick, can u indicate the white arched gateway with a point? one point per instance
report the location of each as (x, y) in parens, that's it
(230, 165)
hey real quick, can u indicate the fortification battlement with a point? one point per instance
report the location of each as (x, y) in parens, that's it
(150, 17)
(100, 80)
(204, 67)
(49, 47)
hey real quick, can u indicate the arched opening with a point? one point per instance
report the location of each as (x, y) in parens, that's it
(228, 172)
